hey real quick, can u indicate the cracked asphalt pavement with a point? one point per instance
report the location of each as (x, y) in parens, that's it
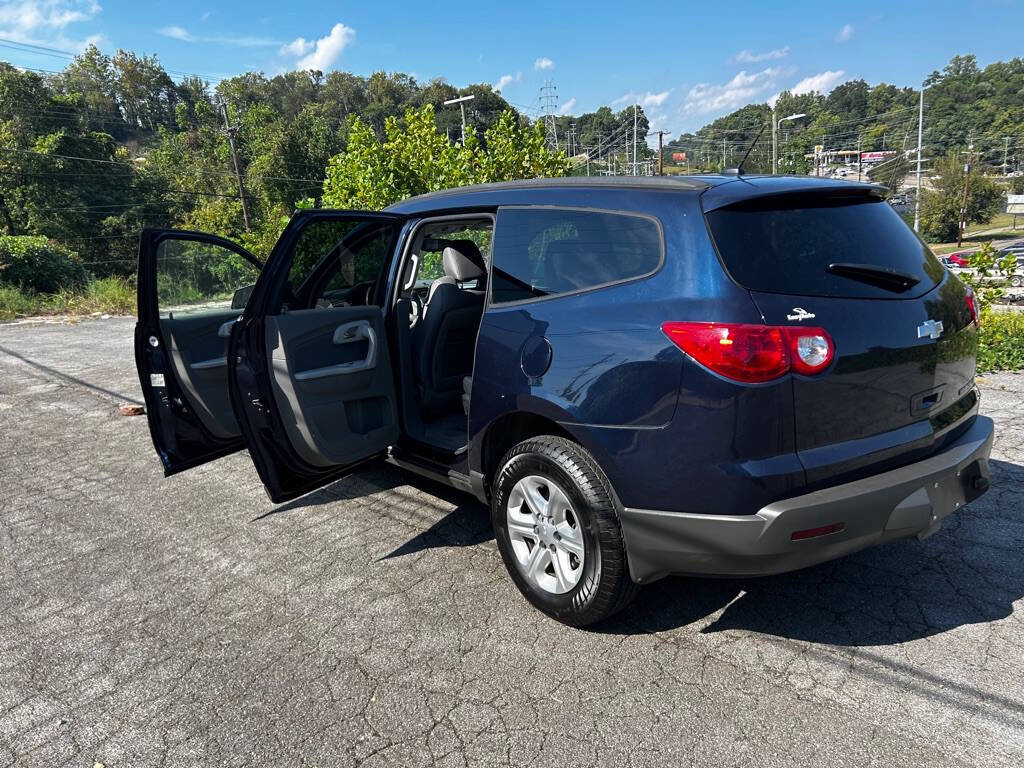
(187, 621)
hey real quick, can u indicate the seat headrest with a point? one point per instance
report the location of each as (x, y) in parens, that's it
(571, 265)
(463, 260)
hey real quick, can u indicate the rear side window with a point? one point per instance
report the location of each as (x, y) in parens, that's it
(786, 244)
(541, 252)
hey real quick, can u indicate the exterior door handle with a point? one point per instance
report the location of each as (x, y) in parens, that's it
(347, 334)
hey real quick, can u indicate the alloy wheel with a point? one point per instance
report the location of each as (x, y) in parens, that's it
(546, 535)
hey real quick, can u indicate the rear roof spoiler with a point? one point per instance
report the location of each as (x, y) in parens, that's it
(746, 188)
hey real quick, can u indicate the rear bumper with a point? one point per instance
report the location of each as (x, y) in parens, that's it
(908, 501)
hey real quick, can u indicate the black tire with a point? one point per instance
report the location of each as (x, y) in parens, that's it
(604, 587)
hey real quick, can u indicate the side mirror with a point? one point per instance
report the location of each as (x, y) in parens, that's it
(241, 296)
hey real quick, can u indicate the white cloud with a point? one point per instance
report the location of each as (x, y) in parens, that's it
(326, 50)
(543, 63)
(645, 100)
(300, 46)
(845, 33)
(749, 57)
(31, 16)
(823, 82)
(742, 89)
(568, 107)
(505, 80)
(177, 33)
(45, 21)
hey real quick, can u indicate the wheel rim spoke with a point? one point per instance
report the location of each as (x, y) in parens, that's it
(537, 504)
(537, 563)
(563, 573)
(521, 528)
(572, 539)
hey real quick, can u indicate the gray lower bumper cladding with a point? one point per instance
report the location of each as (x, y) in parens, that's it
(829, 523)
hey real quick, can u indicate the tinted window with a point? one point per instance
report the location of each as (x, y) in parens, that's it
(543, 252)
(785, 245)
(338, 263)
(196, 276)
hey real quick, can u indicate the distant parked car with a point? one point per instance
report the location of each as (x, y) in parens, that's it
(960, 258)
(1017, 276)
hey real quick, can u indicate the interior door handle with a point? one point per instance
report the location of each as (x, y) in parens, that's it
(347, 334)
(225, 330)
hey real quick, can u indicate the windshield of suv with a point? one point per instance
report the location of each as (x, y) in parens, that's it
(823, 246)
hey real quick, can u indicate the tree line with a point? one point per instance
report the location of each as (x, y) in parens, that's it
(113, 144)
(965, 105)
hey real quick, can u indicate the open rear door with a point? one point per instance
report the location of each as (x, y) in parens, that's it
(191, 289)
(310, 373)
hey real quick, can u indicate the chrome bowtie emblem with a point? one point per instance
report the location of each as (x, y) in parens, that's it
(799, 313)
(930, 328)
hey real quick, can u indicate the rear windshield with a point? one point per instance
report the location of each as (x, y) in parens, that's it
(785, 244)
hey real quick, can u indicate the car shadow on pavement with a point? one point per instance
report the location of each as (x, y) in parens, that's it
(466, 525)
(969, 572)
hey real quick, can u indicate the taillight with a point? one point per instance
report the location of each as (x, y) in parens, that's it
(972, 305)
(753, 353)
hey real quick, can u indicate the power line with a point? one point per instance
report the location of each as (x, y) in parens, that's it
(134, 165)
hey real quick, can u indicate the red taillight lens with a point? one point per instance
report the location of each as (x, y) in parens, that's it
(972, 305)
(753, 353)
(749, 353)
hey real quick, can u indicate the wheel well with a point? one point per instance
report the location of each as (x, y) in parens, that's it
(510, 429)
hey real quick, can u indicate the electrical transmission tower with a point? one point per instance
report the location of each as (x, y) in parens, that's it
(549, 109)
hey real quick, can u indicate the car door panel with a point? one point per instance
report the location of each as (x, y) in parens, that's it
(198, 354)
(310, 379)
(181, 340)
(331, 386)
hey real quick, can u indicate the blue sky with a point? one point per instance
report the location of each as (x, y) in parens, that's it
(686, 64)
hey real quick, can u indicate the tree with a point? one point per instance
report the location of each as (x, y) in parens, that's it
(940, 208)
(415, 157)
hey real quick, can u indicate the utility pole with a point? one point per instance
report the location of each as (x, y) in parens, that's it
(775, 137)
(661, 155)
(634, 139)
(917, 196)
(723, 155)
(967, 180)
(1006, 152)
(230, 129)
(858, 155)
(461, 101)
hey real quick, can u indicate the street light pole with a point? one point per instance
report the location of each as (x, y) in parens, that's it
(920, 133)
(775, 137)
(461, 101)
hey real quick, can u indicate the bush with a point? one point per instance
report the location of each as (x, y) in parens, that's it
(1001, 344)
(36, 264)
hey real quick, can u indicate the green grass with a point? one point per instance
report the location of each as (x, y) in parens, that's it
(108, 295)
(14, 303)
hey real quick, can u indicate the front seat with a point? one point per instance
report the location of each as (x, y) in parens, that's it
(444, 341)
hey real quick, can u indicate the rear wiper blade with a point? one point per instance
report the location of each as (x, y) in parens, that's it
(872, 274)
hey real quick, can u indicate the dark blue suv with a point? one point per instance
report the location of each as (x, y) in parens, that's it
(727, 375)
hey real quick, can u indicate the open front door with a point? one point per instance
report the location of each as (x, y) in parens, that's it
(191, 289)
(310, 373)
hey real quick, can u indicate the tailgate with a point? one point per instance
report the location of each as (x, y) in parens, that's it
(905, 343)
